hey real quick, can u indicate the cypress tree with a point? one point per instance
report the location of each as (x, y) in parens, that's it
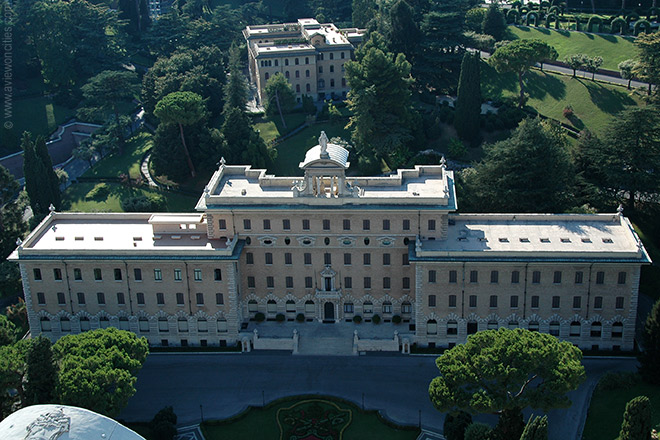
(536, 429)
(637, 420)
(494, 22)
(468, 104)
(649, 359)
(41, 372)
(41, 181)
(50, 179)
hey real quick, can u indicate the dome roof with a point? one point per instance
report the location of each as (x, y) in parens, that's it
(326, 152)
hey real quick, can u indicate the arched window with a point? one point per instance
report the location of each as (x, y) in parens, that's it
(431, 327)
(309, 307)
(452, 327)
(297, 88)
(252, 306)
(291, 306)
(222, 325)
(182, 324)
(286, 74)
(554, 328)
(143, 324)
(575, 328)
(406, 308)
(387, 307)
(266, 76)
(533, 326)
(307, 73)
(104, 322)
(321, 84)
(45, 324)
(596, 329)
(308, 87)
(492, 325)
(202, 325)
(65, 324)
(84, 324)
(513, 324)
(617, 330)
(332, 82)
(163, 325)
(271, 306)
(368, 308)
(123, 323)
(472, 327)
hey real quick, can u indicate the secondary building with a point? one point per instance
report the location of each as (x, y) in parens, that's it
(330, 247)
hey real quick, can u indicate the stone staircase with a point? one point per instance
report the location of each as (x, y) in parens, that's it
(315, 346)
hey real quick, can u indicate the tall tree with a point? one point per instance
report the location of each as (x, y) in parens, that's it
(468, 104)
(503, 371)
(648, 64)
(592, 65)
(519, 56)
(181, 108)
(50, 183)
(104, 92)
(236, 91)
(536, 429)
(136, 13)
(11, 215)
(13, 368)
(40, 180)
(626, 69)
(280, 97)
(241, 143)
(494, 22)
(649, 359)
(363, 12)
(98, 368)
(41, 372)
(636, 420)
(529, 172)
(576, 61)
(8, 331)
(404, 34)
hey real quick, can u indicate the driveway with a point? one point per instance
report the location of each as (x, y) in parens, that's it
(225, 384)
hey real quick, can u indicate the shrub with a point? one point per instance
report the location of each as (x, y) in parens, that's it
(308, 105)
(478, 431)
(99, 192)
(456, 148)
(568, 112)
(163, 424)
(636, 419)
(376, 319)
(474, 19)
(617, 381)
(334, 113)
(455, 425)
(300, 317)
(280, 317)
(357, 319)
(396, 319)
(144, 203)
(259, 317)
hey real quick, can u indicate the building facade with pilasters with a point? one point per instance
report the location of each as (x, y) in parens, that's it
(329, 247)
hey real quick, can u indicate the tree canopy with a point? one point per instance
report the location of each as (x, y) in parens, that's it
(649, 359)
(280, 97)
(468, 103)
(41, 182)
(648, 65)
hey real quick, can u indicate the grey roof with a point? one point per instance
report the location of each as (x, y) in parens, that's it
(336, 154)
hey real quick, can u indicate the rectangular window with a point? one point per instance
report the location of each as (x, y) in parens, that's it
(406, 283)
(367, 282)
(536, 277)
(386, 224)
(386, 259)
(41, 298)
(289, 282)
(98, 275)
(431, 225)
(250, 281)
(118, 275)
(269, 258)
(451, 301)
(217, 274)
(577, 302)
(308, 282)
(249, 258)
(579, 275)
(348, 282)
(622, 278)
(219, 299)
(222, 224)
(305, 224)
(366, 258)
(515, 277)
(406, 224)
(405, 260)
(600, 277)
(307, 257)
(535, 302)
(158, 275)
(200, 299)
(493, 301)
(177, 275)
(57, 274)
(555, 302)
(61, 300)
(288, 258)
(346, 224)
(619, 302)
(160, 299)
(197, 274)
(326, 224)
(77, 274)
(37, 274)
(81, 298)
(432, 276)
(598, 302)
(514, 301)
(266, 224)
(286, 224)
(327, 258)
(474, 276)
(387, 283)
(179, 299)
(140, 298)
(366, 224)
(431, 300)
(137, 274)
(347, 259)
(100, 298)
(453, 276)
(473, 300)
(556, 279)
(348, 308)
(247, 224)
(494, 276)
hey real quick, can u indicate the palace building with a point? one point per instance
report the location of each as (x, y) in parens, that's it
(310, 55)
(327, 247)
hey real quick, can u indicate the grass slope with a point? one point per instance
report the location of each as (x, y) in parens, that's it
(594, 104)
(74, 199)
(607, 407)
(127, 163)
(613, 49)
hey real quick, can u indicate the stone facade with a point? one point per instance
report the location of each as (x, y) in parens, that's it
(329, 248)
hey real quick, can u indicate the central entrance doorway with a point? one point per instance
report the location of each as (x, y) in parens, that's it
(329, 312)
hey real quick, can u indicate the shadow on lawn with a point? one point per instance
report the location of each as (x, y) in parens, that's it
(541, 84)
(607, 100)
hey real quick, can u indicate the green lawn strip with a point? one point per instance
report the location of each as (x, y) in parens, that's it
(594, 104)
(74, 198)
(270, 127)
(128, 162)
(612, 48)
(607, 407)
(292, 150)
(262, 423)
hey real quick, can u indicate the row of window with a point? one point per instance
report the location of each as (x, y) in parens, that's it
(535, 300)
(367, 307)
(326, 224)
(118, 275)
(296, 61)
(574, 331)
(327, 258)
(309, 282)
(121, 298)
(515, 277)
(143, 324)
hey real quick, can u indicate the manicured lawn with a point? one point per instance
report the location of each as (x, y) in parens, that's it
(594, 104)
(270, 127)
(126, 163)
(73, 198)
(292, 151)
(262, 423)
(612, 48)
(607, 407)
